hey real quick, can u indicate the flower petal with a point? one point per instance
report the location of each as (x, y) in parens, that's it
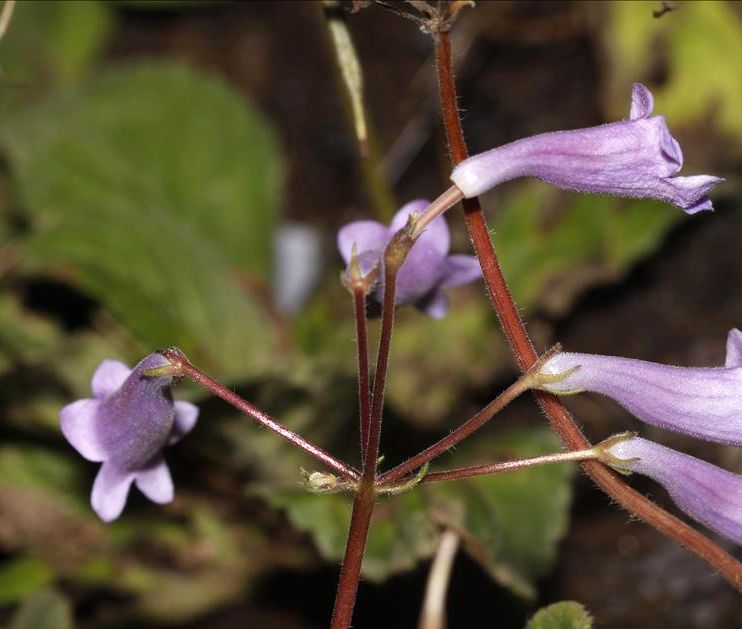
(688, 193)
(366, 235)
(461, 269)
(421, 270)
(78, 423)
(186, 415)
(110, 490)
(631, 158)
(435, 305)
(436, 234)
(699, 401)
(707, 493)
(642, 102)
(155, 482)
(108, 377)
(135, 422)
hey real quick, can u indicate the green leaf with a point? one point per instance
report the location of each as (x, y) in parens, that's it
(20, 577)
(562, 615)
(457, 353)
(702, 42)
(33, 468)
(24, 336)
(46, 609)
(154, 188)
(552, 244)
(400, 536)
(511, 523)
(54, 42)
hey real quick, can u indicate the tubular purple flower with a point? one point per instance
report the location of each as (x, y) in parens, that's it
(703, 402)
(707, 493)
(428, 267)
(125, 426)
(631, 158)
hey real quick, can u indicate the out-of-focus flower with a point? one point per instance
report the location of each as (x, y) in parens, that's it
(125, 426)
(703, 402)
(297, 265)
(631, 158)
(708, 494)
(428, 267)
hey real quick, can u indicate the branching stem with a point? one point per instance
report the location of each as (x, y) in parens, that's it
(526, 356)
(184, 368)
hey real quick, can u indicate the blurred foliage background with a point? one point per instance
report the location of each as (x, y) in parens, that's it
(167, 164)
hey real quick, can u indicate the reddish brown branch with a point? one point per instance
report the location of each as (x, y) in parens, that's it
(526, 356)
(185, 368)
(364, 389)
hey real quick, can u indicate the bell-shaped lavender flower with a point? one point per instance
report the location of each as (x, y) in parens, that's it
(631, 158)
(125, 426)
(707, 493)
(428, 267)
(703, 402)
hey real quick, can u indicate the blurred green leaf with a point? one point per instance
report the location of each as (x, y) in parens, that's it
(46, 609)
(510, 523)
(470, 343)
(32, 467)
(53, 42)
(702, 42)
(553, 245)
(24, 336)
(154, 188)
(562, 615)
(400, 536)
(20, 577)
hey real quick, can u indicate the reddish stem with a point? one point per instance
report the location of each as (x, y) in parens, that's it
(526, 356)
(382, 364)
(508, 466)
(350, 572)
(363, 503)
(449, 441)
(364, 389)
(184, 367)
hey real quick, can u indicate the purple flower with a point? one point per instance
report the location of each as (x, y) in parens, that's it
(703, 402)
(428, 267)
(708, 494)
(125, 426)
(631, 158)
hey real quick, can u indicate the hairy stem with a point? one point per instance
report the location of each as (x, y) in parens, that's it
(391, 266)
(467, 428)
(350, 572)
(510, 466)
(526, 356)
(363, 503)
(184, 368)
(364, 389)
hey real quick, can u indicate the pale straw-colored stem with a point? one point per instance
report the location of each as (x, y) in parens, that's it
(433, 613)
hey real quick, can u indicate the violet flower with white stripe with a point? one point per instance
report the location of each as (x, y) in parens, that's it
(703, 402)
(707, 493)
(125, 426)
(631, 158)
(428, 268)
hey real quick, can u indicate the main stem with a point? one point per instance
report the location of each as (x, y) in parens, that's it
(363, 503)
(526, 356)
